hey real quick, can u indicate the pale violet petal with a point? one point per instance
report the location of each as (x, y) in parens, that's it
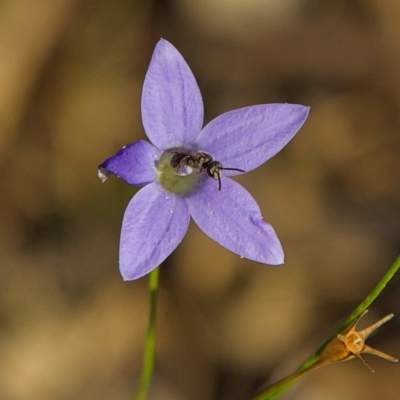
(135, 164)
(247, 137)
(233, 219)
(172, 107)
(154, 223)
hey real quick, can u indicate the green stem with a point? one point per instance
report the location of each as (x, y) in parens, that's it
(148, 362)
(275, 391)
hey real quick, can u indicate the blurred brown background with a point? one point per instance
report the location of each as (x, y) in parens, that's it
(71, 74)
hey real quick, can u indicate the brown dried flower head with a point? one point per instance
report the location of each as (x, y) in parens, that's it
(351, 344)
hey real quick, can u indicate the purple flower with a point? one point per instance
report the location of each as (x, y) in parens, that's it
(178, 165)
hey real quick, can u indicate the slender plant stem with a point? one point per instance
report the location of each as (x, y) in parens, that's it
(148, 362)
(275, 391)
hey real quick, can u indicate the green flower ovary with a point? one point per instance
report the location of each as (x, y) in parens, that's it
(171, 180)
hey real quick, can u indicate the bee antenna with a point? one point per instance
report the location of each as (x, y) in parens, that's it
(232, 169)
(226, 169)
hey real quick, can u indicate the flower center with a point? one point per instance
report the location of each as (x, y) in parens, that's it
(180, 179)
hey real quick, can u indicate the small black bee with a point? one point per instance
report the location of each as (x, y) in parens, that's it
(199, 161)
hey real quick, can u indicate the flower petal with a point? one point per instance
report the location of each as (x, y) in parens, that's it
(172, 107)
(247, 137)
(135, 164)
(154, 224)
(232, 218)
